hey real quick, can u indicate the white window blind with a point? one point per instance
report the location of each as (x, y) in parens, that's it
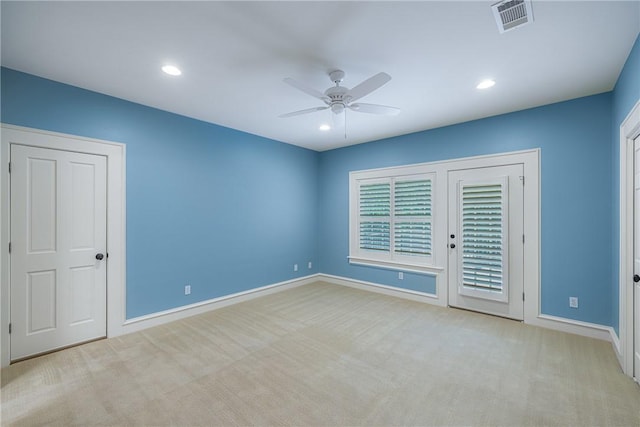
(394, 218)
(483, 216)
(412, 222)
(375, 208)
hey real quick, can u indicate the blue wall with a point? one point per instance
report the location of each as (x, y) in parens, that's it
(219, 209)
(575, 142)
(625, 95)
(253, 206)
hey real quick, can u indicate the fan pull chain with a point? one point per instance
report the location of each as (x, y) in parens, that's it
(345, 123)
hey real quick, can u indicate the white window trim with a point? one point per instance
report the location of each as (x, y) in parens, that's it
(390, 261)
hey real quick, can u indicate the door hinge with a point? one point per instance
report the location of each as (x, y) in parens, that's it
(9, 328)
(9, 167)
(523, 296)
(521, 179)
(523, 238)
(9, 247)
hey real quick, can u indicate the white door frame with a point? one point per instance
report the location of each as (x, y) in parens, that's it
(629, 130)
(116, 241)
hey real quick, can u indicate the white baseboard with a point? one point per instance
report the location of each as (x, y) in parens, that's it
(155, 319)
(577, 327)
(615, 343)
(591, 330)
(382, 289)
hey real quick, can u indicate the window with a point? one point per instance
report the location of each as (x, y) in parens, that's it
(392, 223)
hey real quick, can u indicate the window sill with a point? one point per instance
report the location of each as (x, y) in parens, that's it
(391, 265)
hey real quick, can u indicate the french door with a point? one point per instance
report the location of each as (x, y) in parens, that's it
(485, 240)
(58, 242)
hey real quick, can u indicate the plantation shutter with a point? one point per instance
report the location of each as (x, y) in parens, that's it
(412, 222)
(375, 209)
(483, 219)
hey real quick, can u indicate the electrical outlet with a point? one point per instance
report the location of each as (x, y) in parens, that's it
(310, 265)
(573, 302)
(401, 275)
(295, 267)
(187, 289)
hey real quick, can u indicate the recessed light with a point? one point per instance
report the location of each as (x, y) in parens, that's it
(172, 70)
(324, 127)
(485, 84)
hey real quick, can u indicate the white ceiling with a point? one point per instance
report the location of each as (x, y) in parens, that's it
(234, 56)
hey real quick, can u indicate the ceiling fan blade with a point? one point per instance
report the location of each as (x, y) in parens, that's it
(306, 89)
(368, 86)
(375, 109)
(297, 113)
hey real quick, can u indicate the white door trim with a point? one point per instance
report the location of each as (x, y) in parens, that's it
(116, 216)
(629, 130)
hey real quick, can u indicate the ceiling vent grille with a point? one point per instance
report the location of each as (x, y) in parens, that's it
(511, 14)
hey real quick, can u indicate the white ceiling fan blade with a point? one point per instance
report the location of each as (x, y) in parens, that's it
(375, 109)
(307, 111)
(306, 89)
(368, 86)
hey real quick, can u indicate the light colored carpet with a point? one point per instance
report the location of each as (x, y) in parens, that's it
(327, 355)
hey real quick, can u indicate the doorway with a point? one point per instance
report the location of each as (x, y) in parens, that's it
(629, 319)
(85, 158)
(486, 239)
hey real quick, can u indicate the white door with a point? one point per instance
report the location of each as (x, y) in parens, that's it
(58, 235)
(486, 240)
(636, 258)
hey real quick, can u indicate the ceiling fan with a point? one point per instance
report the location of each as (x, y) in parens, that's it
(340, 98)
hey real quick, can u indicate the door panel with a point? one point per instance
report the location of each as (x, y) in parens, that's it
(41, 205)
(83, 214)
(58, 225)
(82, 290)
(41, 301)
(486, 240)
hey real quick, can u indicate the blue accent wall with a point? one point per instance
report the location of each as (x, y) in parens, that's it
(576, 242)
(218, 209)
(625, 95)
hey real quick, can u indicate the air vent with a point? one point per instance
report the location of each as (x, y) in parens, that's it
(512, 14)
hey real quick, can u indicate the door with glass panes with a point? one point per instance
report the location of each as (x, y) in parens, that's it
(485, 240)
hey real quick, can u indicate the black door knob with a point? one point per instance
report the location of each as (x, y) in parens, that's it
(99, 257)
(453, 245)
(636, 278)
